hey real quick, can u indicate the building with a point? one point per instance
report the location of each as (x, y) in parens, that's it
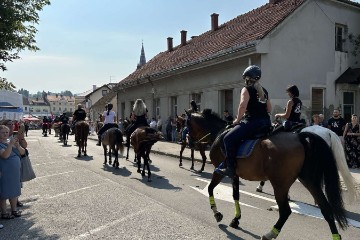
(59, 104)
(302, 42)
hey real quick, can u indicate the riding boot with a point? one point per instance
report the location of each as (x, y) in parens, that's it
(228, 170)
(99, 141)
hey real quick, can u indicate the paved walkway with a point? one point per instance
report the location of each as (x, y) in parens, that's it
(173, 150)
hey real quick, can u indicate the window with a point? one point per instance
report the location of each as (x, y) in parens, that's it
(228, 98)
(25, 108)
(71, 110)
(348, 105)
(104, 92)
(317, 101)
(156, 110)
(340, 33)
(59, 108)
(197, 98)
(53, 108)
(173, 105)
(59, 103)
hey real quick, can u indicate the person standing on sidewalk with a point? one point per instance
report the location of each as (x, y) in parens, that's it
(109, 119)
(337, 124)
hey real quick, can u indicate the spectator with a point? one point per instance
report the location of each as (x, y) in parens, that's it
(168, 129)
(173, 130)
(227, 117)
(10, 185)
(315, 120)
(321, 120)
(352, 142)
(337, 124)
(21, 139)
(159, 124)
(153, 123)
(26, 124)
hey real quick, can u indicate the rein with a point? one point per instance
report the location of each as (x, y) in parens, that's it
(199, 141)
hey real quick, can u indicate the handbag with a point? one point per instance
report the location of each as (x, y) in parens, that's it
(26, 172)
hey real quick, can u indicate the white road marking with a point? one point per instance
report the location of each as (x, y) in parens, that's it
(74, 191)
(103, 227)
(224, 193)
(38, 164)
(54, 175)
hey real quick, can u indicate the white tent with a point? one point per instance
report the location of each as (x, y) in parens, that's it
(11, 105)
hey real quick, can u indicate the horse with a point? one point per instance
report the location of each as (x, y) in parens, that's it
(180, 124)
(114, 139)
(57, 129)
(81, 135)
(99, 125)
(142, 140)
(45, 127)
(282, 158)
(64, 133)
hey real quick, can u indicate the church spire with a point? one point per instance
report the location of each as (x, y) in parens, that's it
(142, 57)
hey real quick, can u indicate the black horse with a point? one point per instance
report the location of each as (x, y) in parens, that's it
(64, 133)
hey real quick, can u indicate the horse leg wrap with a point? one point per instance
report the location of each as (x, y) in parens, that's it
(237, 209)
(213, 204)
(336, 236)
(272, 234)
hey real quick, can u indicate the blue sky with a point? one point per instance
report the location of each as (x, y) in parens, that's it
(94, 42)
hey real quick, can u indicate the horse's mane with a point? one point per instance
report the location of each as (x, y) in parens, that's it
(210, 121)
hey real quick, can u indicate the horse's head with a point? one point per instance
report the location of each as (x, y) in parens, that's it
(204, 127)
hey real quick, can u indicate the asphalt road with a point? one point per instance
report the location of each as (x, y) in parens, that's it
(80, 198)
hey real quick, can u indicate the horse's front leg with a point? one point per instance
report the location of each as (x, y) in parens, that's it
(192, 158)
(105, 154)
(181, 153)
(236, 196)
(79, 151)
(216, 179)
(127, 152)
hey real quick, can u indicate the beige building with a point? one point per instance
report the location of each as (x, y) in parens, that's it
(300, 42)
(60, 104)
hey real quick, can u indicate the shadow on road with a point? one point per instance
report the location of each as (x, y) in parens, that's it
(230, 235)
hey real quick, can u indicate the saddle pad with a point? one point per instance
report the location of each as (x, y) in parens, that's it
(245, 149)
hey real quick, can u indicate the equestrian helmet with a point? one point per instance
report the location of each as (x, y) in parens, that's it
(253, 72)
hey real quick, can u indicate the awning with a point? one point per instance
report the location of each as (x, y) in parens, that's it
(350, 76)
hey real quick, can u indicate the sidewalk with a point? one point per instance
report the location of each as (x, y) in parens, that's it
(173, 150)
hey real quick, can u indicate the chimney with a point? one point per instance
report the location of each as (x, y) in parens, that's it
(94, 87)
(170, 43)
(183, 37)
(215, 21)
(274, 1)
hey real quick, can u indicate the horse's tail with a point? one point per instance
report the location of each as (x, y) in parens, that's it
(337, 149)
(320, 167)
(119, 141)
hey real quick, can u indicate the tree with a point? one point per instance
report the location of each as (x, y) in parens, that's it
(24, 92)
(66, 93)
(17, 30)
(355, 40)
(4, 84)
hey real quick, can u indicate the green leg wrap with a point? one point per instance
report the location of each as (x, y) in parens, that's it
(213, 204)
(336, 236)
(237, 209)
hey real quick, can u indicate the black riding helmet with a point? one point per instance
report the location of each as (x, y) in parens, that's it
(253, 72)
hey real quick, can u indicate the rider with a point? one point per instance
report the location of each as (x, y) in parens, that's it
(109, 119)
(293, 108)
(64, 119)
(253, 113)
(192, 109)
(78, 115)
(139, 114)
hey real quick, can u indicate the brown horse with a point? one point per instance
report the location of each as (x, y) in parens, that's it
(280, 158)
(113, 138)
(180, 125)
(81, 136)
(142, 140)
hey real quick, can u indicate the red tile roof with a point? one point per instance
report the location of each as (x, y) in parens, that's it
(243, 29)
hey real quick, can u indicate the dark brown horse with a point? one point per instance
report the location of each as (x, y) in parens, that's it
(113, 138)
(142, 139)
(81, 136)
(64, 133)
(281, 158)
(180, 125)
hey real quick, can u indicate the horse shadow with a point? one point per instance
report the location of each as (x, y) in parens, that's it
(85, 158)
(230, 235)
(121, 171)
(158, 182)
(65, 146)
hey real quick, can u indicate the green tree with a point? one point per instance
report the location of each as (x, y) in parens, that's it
(24, 92)
(66, 93)
(17, 30)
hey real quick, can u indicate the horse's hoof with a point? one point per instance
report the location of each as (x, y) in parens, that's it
(139, 171)
(149, 180)
(218, 216)
(143, 173)
(150, 161)
(85, 154)
(79, 156)
(234, 223)
(180, 164)
(192, 168)
(259, 189)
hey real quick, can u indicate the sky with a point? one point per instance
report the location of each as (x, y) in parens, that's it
(94, 42)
